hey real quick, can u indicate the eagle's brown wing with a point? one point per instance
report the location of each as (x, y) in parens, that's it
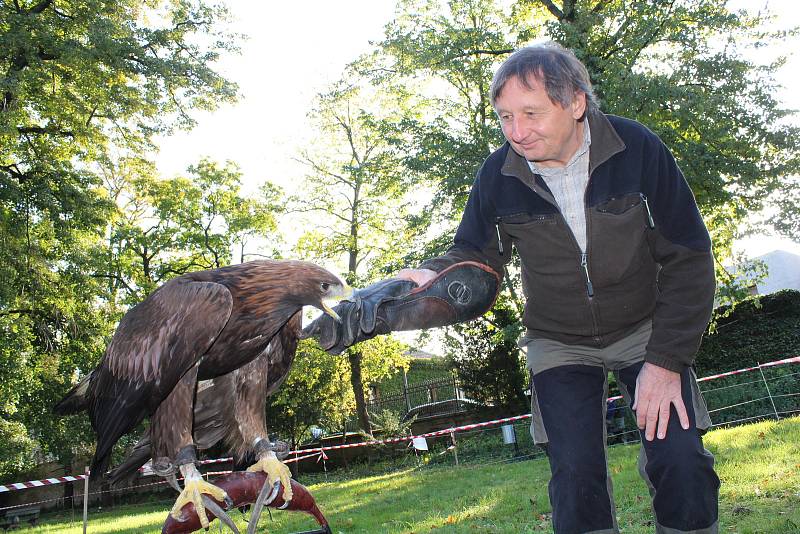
(231, 408)
(155, 344)
(224, 403)
(281, 359)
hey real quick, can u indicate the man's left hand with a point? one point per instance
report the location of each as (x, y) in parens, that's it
(656, 389)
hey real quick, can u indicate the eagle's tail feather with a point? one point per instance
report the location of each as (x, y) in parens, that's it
(136, 459)
(99, 466)
(76, 400)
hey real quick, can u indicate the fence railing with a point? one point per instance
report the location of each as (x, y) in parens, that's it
(429, 398)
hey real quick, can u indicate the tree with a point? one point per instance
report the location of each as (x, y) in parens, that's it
(167, 227)
(487, 360)
(355, 192)
(80, 81)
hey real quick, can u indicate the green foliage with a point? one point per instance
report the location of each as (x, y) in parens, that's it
(390, 423)
(18, 450)
(487, 360)
(757, 330)
(419, 371)
(81, 81)
(382, 358)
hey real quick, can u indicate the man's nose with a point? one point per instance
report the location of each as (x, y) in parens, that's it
(518, 132)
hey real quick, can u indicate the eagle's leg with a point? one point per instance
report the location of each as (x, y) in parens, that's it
(173, 446)
(268, 462)
(194, 491)
(278, 474)
(211, 505)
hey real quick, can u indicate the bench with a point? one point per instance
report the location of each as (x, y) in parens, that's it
(15, 516)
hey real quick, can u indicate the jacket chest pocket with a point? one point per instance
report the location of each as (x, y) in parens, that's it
(518, 225)
(540, 240)
(619, 238)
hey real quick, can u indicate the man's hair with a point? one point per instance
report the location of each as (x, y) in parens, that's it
(556, 67)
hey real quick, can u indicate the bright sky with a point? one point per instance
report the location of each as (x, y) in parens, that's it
(294, 51)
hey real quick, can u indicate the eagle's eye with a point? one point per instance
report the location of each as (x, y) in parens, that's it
(325, 286)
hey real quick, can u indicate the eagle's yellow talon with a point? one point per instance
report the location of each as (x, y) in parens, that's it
(192, 493)
(275, 470)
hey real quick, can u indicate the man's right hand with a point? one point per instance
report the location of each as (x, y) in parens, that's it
(418, 276)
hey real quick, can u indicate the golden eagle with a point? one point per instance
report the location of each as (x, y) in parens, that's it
(206, 325)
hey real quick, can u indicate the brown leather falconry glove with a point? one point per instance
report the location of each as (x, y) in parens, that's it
(459, 293)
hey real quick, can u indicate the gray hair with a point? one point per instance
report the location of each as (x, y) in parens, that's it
(556, 67)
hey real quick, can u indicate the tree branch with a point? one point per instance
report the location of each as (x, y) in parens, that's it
(41, 6)
(552, 8)
(41, 130)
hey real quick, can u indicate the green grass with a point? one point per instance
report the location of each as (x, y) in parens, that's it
(759, 465)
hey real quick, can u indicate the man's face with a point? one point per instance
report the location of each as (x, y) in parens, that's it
(538, 129)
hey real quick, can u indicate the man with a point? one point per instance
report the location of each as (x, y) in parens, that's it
(618, 276)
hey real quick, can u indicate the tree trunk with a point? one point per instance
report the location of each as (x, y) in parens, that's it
(354, 356)
(69, 488)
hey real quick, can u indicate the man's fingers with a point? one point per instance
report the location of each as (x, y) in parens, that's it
(683, 416)
(651, 421)
(418, 276)
(641, 415)
(663, 419)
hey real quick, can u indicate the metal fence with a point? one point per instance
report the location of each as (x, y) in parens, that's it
(429, 398)
(761, 393)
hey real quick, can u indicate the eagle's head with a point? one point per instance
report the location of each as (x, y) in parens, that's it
(318, 287)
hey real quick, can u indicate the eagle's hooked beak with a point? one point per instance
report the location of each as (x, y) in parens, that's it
(346, 294)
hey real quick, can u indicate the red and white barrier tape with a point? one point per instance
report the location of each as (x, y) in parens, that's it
(320, 451)
(795, 359)
(40, 483)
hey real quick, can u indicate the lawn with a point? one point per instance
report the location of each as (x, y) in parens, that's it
(759, 465)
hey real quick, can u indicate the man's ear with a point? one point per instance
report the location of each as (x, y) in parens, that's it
(578, 105)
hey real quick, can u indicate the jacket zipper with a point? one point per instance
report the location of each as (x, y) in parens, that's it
(585, 265)
(499, 240)
(650, 222)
